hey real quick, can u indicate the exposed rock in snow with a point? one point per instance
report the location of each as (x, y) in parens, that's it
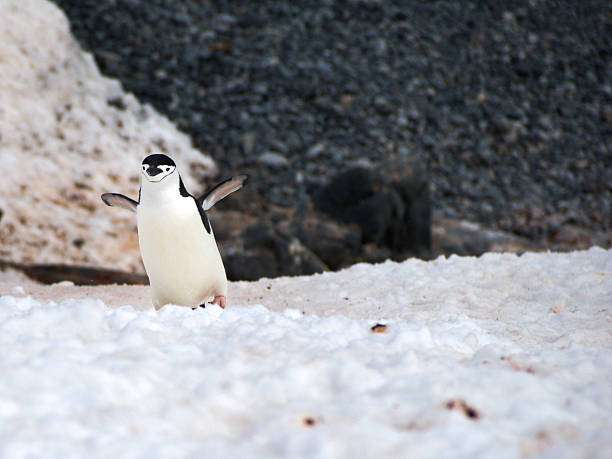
(67, 134)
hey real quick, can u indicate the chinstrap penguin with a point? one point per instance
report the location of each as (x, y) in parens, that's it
(177, 243)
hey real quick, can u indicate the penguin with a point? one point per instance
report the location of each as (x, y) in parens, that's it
(176, 240)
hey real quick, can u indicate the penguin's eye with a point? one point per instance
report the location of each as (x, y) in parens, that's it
(144, 168)
(167, 169)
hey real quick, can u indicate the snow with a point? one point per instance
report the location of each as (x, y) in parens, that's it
(497, 356)
(68, 134)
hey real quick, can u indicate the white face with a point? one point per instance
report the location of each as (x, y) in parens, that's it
(157, 173)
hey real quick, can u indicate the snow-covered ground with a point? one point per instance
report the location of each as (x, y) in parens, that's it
(498, 356)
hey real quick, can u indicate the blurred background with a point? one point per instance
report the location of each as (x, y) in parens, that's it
(378, 129)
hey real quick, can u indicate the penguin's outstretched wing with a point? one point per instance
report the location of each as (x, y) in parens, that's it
(221, 190)
(118, 200)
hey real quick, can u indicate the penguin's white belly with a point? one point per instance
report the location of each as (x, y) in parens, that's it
(181, 258)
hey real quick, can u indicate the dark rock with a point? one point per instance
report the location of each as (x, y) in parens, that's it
(371, 253)
(78, 242)
(117, 102)
(375, 215)
(411, 231)
(571, 236)
(344, 191)
(228, 224)
(337, 245)
(80, 275)
(263, 250)
(249, 265)
(392, 206)
(466, 238)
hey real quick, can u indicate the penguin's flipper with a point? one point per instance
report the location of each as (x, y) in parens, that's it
(118, 200)
(221, 190)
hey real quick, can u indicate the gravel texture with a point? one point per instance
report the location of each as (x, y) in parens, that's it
(509, 102)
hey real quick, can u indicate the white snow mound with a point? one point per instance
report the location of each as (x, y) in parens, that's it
(67, 134)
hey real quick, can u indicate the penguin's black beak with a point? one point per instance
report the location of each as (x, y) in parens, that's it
(153, 171)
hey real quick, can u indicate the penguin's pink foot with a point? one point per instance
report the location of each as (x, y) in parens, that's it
(219, 300)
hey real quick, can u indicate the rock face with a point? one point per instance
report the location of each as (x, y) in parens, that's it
(509, 102)
(362, 214)
(67, 134)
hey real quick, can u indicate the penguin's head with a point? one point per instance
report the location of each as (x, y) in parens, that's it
(157, 167)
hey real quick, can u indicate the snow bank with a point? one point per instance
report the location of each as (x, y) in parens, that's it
(67, 134)
(497, 356)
